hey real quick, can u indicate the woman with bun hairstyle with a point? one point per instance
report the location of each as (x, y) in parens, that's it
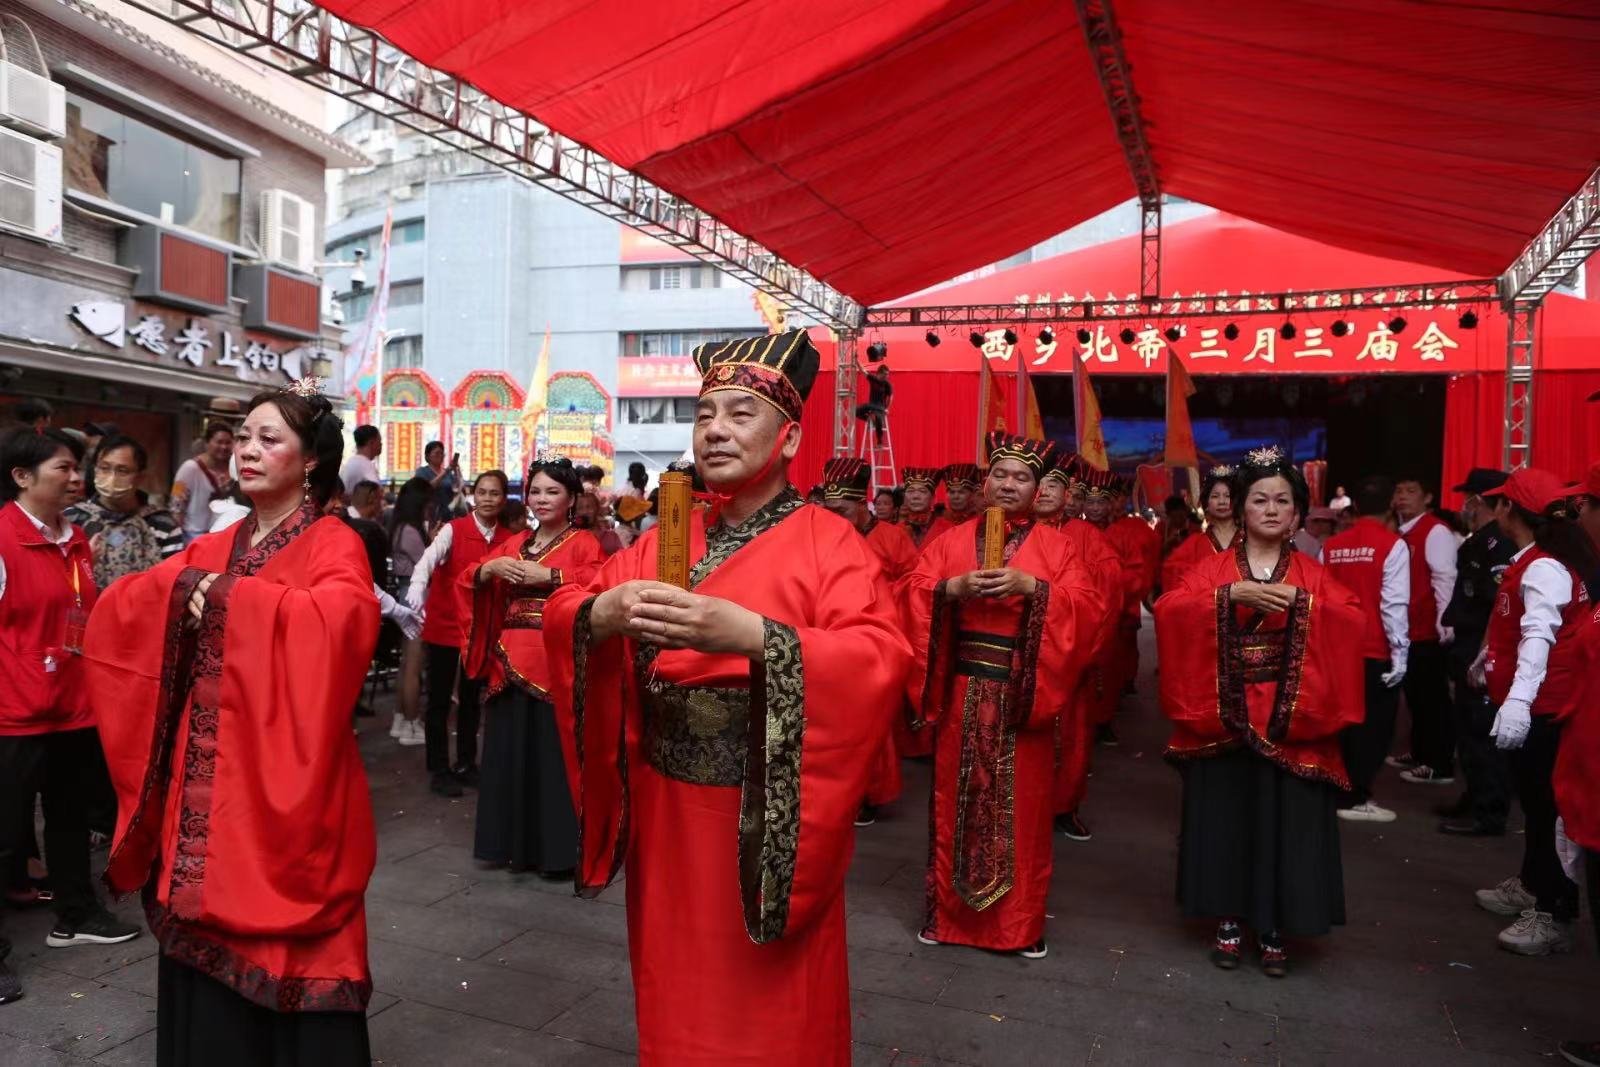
(525, 814)
(223, 681)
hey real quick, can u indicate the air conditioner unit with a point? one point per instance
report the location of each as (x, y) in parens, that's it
(30, 187)
(288, 230)
(31, 102)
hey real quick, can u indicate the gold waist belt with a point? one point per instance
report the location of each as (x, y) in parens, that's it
(1262, 656)
(697, 735)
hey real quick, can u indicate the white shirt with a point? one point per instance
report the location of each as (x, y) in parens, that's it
(1439, 550)
(1394, 603)
(1339, 503)
(198, 488)
(61, 537)
(357, 469)
(438, 552)
(1546, 591)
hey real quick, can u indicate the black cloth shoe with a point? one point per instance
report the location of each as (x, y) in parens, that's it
(466, 775)
(446, 784)
(1106, 734)
(11, 985)
(1458, 810)
(1470, 828)
(99, 927)
(867, 815)
(1582, 1053)
(1274, 959)
(1225, 951)
(1070, 825)
(1036, 951)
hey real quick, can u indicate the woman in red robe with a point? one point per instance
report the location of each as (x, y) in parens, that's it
(525, 818)
(1221, 528)
(223, 681)
(1258, 678)
(998, 654)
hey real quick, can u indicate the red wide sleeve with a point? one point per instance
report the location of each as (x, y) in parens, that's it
(930, 624)
(1190, 621)
(486, 608)
(1180, 559)
(1332, 684)
(1076, 612)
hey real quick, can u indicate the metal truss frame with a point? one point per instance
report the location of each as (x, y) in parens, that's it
(1458, 293)
(311, 44)
(1569, 238)
(846, 367)
(1522, 318)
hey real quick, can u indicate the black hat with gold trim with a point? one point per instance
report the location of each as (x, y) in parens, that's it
(1064, 470)
(1037, 456)
(780, 368)
(921, 477)
(846, 478)
(963, 476)
(1098, 483)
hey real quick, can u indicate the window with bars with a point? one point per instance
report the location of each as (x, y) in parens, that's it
(678, 342)
(656, 410)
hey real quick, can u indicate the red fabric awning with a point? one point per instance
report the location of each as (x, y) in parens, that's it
(886, 145)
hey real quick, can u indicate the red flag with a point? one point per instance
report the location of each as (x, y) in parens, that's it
(1180, 431)
(1086, 415)
(1027, 402)
(991, 410)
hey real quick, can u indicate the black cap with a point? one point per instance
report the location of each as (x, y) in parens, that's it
(1482, 479)
(100, 429)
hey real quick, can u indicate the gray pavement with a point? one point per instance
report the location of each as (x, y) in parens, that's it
(480, 968)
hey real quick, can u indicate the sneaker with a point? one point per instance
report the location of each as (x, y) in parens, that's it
(1106, 734)
(1225, 952)
(1422, 774)
(11, 985)
(1367, 812)
(1537, 933)
(925, 939)
(1036, 951)
(867, 815)
(446, 784)
(400, 727)
(1274, 957)
(99, 927)
(1510, 897)
(412, 734)
(1071, 826)
(1582, 1053)
(1471, 828)
(1405, 762)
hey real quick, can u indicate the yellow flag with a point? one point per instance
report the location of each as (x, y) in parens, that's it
(538, 396)
(1086, 406)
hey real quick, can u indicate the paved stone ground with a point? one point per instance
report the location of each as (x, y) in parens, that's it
(482, 968)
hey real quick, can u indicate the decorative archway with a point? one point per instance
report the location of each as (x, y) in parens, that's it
(577, 420)
(413, 413)
(486, 424)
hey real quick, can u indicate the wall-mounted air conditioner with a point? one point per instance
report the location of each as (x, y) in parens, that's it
(288, 230)
(30, 187)
(31, 102)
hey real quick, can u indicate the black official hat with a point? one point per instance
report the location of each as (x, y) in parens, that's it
(1482, 479)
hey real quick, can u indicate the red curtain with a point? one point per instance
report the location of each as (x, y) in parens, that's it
(1566, 429)
(933, 420)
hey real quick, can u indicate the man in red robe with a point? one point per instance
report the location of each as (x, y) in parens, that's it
(963, 484)
(844, 492)
(1075, 728)
(723, 736)
(998, 652)
(917, 517)
(1131, 539)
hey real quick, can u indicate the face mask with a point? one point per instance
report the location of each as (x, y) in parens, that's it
(113, 486)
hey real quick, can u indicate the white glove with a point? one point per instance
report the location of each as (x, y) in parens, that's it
(415, 597)
(1396, 672)
(409, 620)
(1511, 724)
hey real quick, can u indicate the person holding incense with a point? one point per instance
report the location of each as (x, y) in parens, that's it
(725, 732)
(1002, 612)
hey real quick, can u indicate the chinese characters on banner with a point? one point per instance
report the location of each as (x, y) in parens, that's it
(657, 376)
(194, 342)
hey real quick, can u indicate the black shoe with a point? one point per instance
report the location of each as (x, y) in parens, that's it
(1274, 959)
(10, 984)
(1458, 810)
(446, 784)
(1471, 828)
(557, 876)
(1106, 734)
(467, 775)
(1227, 947)
(1582, 1053)
(1036, 951)
(867, 815)
(99, 927)
(1070, 825)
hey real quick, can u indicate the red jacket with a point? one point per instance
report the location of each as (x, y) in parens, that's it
(447, 600)
(1355, 559)
(43, 691)
(1424, 607)
(1563, 683)
(1578, 759)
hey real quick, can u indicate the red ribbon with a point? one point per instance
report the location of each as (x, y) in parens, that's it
(719, 499)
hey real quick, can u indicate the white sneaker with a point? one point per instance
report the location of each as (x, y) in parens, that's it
(1368, 812)
(1422, 774)
(414, 734)
(1536, 934)
(1510, 897)
(399, 727)
(925, 939)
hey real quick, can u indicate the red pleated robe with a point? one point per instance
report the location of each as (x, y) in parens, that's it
(242, 805)
(735, 890)
(1139, 549)
(1075, 727)
(922, 534)
(993, 796)
(896, 556)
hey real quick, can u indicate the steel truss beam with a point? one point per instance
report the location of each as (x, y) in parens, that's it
(1569, 238)
(1517, 445)
(311, 44)
(1100, 29)
(1435, 294)
(846, 367)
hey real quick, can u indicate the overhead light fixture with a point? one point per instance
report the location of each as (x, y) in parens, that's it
(1126, 335)
(1011, 337)
(1047, 336)
(877, 352)
(933, 339)
(1468, 320)
(1174, 332)
(976, 338)
(1231, 332)
(1339, 328)
(1287, 331)
(1397, 325)
(1084, 336)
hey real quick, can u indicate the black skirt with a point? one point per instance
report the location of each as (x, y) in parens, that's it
(525, 816)
(201, 1023)
(1259, 845)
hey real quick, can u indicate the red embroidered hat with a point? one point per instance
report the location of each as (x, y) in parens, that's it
(926, 477)
(845, 478)
(780, 368)
(1533, 489)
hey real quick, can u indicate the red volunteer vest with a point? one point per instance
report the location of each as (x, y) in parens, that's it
(44, 688)
(442, 622)
(1563, 681)
(1355, 559)
(1424, 608)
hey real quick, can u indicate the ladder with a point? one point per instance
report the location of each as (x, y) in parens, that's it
(879, 455)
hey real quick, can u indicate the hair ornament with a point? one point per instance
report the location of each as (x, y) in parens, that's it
(1265, 456)
(549, 457)
(1222, 470)
(308, 387)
